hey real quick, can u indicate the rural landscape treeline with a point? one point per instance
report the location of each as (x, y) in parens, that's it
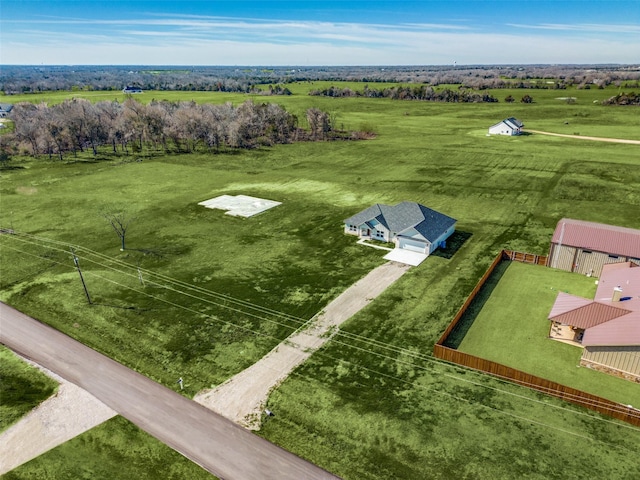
(77, 125)
(25, 79)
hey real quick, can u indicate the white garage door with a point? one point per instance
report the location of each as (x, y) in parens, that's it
(412, 245)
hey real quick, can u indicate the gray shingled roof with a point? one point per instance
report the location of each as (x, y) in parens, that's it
(511, 122)
(514, 121)
(403, 216)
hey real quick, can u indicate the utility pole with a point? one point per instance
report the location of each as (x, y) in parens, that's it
(84, 285)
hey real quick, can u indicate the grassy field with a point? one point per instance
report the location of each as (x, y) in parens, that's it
(357, 408)
(502, 332)
(22, 387)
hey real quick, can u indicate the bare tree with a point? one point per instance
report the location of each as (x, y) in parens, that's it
(319, 123)
(120, 220)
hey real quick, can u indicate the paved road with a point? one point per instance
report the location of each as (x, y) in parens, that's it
(213, 442)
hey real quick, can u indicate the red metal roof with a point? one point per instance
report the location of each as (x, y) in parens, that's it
(606, 323)
(590, 315)
(598, 237)
(565, 302)
(621, 331)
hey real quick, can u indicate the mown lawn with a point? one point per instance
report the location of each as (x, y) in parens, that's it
(512, 328)
(358, 408)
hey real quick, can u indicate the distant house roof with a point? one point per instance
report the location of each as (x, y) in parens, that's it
(511, 122)
(598, 237)
(131, 89)
(403, 216)
(605, 322)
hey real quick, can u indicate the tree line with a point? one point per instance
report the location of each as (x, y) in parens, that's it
(409, 92)
(33, 79)
(77, 125)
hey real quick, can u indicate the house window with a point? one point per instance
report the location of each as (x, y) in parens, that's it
(352, 228)
(613, 256)
(587, 251)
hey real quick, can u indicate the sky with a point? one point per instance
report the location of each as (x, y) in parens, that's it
(302, 33)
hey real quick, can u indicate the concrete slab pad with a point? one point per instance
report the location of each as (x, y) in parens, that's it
(240, 205)
(406, 256)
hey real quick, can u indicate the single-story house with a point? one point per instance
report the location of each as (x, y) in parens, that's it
(408, 225)
(508, 126)
(584, 247)
(130, 89)
(5, 109)
(608, 327)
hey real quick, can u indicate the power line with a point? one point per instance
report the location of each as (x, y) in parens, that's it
(373, 343)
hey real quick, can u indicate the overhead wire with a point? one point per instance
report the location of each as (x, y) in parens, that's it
(372, 343)
(399, 350)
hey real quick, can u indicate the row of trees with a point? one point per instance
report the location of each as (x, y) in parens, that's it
(23, 79)
(77, 125)
(416, 92)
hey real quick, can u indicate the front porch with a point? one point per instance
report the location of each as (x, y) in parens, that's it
(566, 334)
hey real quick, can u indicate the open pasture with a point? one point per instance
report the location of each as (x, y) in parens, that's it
(357, 408)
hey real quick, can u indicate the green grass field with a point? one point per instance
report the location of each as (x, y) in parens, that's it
(356, 408)
(22, 387)
(506, 334)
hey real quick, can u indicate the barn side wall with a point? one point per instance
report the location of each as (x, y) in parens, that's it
(620, 361)
(580, 260)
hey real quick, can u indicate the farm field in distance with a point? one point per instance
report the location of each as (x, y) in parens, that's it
(357, 408)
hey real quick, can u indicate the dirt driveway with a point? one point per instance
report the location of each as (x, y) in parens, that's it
(73, 410)
(242, 397)
(582, 137)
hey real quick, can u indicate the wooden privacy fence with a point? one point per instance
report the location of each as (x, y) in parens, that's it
(524, 257)
(625, 413)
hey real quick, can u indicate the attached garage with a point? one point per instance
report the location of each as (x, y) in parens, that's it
(413, 228)
(412, 245)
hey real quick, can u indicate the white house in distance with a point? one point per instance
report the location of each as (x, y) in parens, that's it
(409, 225)
(508, 126)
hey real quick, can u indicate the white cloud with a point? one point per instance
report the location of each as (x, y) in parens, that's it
(190, 40)
(582, 27)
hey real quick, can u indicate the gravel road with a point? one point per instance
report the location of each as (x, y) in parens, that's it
(242, 397)
(63, 416)
(584, 137)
